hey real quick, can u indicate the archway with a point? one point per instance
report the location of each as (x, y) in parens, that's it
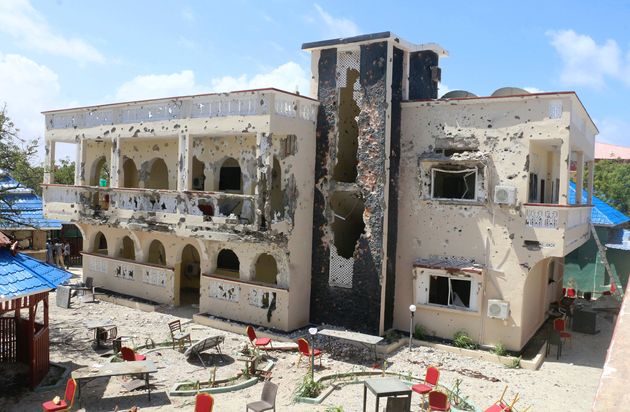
(190, 276)
(130, 174)
(158, 175)
(100, 244)
(266, 269)
(99, 171)
(198, 174)
(230, 178)
(228, 263)
(157, 254)
(128, 249)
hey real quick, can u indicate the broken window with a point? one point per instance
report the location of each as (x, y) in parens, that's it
(277, 194)
(230, 176)
(198, 175)
(128, 249)
(158, 175)
(100, 244)
(454, 184)
(157, 254)
(228, 263)
(456, 290)
(266, 269)
(130, 173)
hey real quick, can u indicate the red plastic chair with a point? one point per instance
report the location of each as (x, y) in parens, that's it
(571, 293)
(204, 402)
(499, 406)
(430, 382)
(305, 350)
(66, 403)
(560, 325)
(438, 401)
(257, 342)
(129, 355)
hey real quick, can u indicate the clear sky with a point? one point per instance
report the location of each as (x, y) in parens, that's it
(63, 53)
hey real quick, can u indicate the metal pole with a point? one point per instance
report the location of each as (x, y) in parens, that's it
(410, 329)
(312, 357)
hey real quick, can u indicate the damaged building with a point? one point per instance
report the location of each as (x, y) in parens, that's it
(371, 198)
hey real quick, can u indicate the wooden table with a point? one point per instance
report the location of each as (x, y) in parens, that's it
(85, 375)
(99, 326)
(369, 341)
(385, 388)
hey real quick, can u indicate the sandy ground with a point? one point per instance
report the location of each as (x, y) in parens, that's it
(571, 381)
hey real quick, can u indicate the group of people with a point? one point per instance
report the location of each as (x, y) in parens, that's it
(58, 253)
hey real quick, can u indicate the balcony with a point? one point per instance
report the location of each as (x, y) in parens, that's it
(248, 302)
(260, 102)
(143, 280)
(151, 209)
(556, 229)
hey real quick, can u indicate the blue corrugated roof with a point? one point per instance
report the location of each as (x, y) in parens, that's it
(22, 275)
(602, 214)
(22, 208)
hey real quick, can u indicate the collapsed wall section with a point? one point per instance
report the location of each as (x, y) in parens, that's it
(350, 185)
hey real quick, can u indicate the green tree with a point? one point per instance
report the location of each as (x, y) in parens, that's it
(612, 183)
(64, 172)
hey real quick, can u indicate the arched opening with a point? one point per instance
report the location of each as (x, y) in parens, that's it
(99, 175)
(158, 175)
(128, 249)
(100, 244)
(190, 278)
(157, 254)
(266, 269)
(198, 174)
(228, 263)
(277, 195)
(230, 179)
(130, 173)
(348, 225)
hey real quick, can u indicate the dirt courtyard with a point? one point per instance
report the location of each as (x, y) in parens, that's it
(574, 378)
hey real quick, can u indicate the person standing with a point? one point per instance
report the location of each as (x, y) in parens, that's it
(49, 252)
(58, 248)
(66, 254)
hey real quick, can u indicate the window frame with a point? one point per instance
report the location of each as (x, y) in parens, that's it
(474, 169)
(423, 285)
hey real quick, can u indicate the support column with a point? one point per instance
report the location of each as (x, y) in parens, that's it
(591, 179)
(184, 163)
(114, 167)
(565, 165)
(264, 162)
(49, 162)
(79, 164)
(579, 178)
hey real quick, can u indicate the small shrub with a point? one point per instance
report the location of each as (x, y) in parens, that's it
(499, 349)
(463, 340)
(309, 388)
(334, 409)
(419, 332)
(457, 398)
(391, 336)
(515, 364)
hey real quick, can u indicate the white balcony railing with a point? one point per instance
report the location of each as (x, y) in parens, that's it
(246, 103)
(559, 227)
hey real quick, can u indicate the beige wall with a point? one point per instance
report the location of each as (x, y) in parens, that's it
(276, 126)
(501, 132)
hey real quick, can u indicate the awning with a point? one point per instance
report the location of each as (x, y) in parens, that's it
(449, 264)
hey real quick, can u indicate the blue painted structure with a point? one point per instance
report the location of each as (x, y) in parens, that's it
(583, 268)
(21, 208)
(22, 275)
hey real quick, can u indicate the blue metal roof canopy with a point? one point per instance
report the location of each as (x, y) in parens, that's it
(602, 214)
(22, 275)
(21, 208)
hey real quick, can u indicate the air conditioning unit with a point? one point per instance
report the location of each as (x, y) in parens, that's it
(505, 195)
(498, 309)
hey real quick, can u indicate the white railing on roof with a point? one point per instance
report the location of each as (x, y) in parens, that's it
(252, 103)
